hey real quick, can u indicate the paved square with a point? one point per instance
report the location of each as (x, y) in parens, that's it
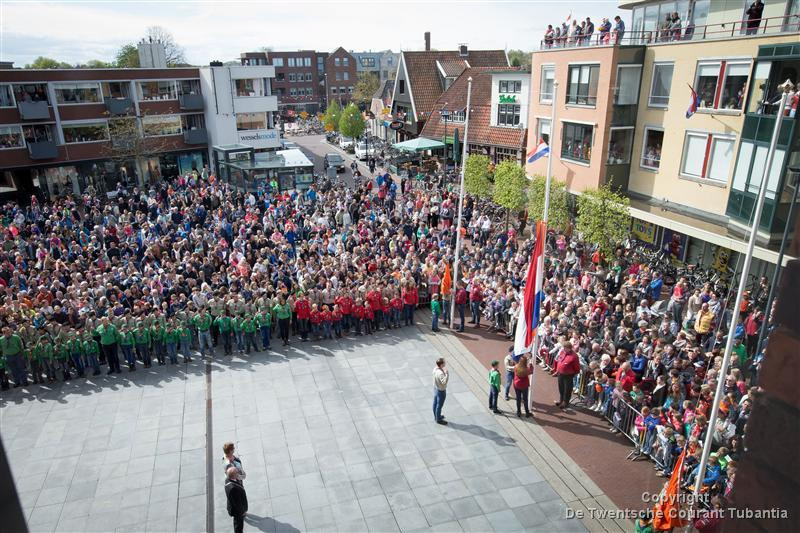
(336, 436)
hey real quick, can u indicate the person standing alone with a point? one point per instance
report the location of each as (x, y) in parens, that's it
(566, 369)
(440, 378)
(237, 498)
(494, 387)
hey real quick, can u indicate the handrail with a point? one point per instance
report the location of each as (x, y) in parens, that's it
(770, 25)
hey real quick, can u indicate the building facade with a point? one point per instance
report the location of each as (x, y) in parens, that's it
(341, 75)
(382, 64)
(63, 130)
(621, 119)
(297, 79)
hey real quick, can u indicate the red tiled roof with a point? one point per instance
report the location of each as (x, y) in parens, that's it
(425, 79)
(453, 67)
(480, 129)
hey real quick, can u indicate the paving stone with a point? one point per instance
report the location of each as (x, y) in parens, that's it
(438, 513)
(411, 519)
(530, 515)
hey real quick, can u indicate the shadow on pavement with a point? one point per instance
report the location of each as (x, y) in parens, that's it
(267, 524)
(483, 432)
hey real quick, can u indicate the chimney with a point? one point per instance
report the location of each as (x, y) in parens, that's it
(462, 50)
(152, 54)
(427, 41)
(215, 64)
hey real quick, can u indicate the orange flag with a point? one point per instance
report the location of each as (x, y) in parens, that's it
(667, 512)
(447, 280)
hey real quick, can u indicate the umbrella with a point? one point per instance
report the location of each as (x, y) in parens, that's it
(456, 148)
(420, 144)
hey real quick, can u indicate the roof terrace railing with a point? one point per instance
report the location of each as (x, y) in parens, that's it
(688, 33)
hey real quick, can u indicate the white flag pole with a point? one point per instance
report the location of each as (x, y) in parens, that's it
(460, 208)
(785, 88)
(540, 266)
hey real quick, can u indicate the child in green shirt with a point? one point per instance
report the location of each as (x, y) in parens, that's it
(264, 322)
(436, 310)
(494, 386)
(91, 350)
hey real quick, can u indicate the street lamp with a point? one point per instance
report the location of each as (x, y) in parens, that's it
(445, 115)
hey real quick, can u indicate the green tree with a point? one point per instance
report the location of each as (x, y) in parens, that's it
(351, 123)
(127, 56)
(559, 214)
(519, 58)
(96, 63)
(604, 218)
(332, 116)
(47, 63)
(476, 176)
(509, 186)
(366, 86)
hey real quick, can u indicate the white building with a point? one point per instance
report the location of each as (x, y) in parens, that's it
(239, 106)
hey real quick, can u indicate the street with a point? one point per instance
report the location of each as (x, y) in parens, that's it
(315, 147)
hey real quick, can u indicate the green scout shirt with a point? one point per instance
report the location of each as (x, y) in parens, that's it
(202, 321)
(282, 311)
(90, 347)
(237, 324)
(11, 345)
(142, 335)
(494, 378)
(263, 319)
(108, 334)
(224, 324)
(157, 333)
(171, 336)
(436, 307)
(127, 338)
(62, 351)
(184, 333)
(249, 325)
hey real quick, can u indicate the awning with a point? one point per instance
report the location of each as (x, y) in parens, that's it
(420, 144)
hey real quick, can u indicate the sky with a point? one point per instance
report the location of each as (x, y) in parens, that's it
(78, 31)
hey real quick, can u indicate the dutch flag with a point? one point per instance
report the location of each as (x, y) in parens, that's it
(694, 104)
(541, 150)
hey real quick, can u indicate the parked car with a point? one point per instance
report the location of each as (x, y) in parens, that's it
(364, 151)
(345, 142)
(334, 161)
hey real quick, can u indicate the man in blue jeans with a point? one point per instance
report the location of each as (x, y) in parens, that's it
(440, 378)
(509, 363)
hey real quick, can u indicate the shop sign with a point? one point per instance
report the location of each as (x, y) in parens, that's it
(508, 98)
(259, 138)
(675, 244)
(644, 231)
(396, 125)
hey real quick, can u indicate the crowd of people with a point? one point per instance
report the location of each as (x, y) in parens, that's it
(584, 33)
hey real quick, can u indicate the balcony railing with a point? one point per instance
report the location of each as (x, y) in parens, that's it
(118, 106)
(191, 102)
(33, 110)
(195, 136)
(688, 33)
(43, 150)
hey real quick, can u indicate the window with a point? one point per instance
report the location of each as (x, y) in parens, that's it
(251, 121)
(77, 93)
(35, 133)
(277, 61)
(651, 148)
(30, 92)
(510, 86)
(576, 143)
(157, 90)
(346, 76)
(662, 81)
(750, 167)
(501, 154)
(308, 76)
(193, 122)
(85, 132)
(157, 125)
(251, 87)
(189, 87)
(280, 76)
(333, 90)
(722, 84)
(346, 61)
(401, 86)
(542, 131)
(292, 91)
(11, 137)
(619, 146)
(337, 62)
(546, 85)
(6, 96)
(582, 86)
(458, 116)
(707, 156)
(307, 61)
(338, 76)
(114, 89)
(291, 61)
(508, 114)
(367, 61)
(628, 84)
(292, 77)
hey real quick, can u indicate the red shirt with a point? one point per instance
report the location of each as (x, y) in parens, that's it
(397, 303)
(345, 303)
(326, 316)
(387, 306)
(568, 365)
(336, 316)
(476, 295)
(461, 296)
(302, 309)
(368, 312)
(374, 300)
(410, 296)
(316, 317)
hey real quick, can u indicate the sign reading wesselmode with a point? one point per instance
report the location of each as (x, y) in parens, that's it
(260, 138)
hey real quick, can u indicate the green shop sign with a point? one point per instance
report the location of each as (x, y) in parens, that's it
(508, 99)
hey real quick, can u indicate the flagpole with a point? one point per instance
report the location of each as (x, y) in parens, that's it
(545, 217)
(460, 208)
(785, 88)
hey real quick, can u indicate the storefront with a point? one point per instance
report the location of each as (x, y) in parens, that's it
(242, 167)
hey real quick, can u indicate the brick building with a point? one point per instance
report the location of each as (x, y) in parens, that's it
(341, 75)
(297, 79)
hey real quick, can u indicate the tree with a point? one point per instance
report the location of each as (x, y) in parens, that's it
(332, 116)
(127, 57)
(519, 58)
(604, 218)
(366, 86)
(47, 63)
(175, 54)
(96, 63)
(351, 123)
(559, 215)
(476, 176)
(129, 143)
(509, 186)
